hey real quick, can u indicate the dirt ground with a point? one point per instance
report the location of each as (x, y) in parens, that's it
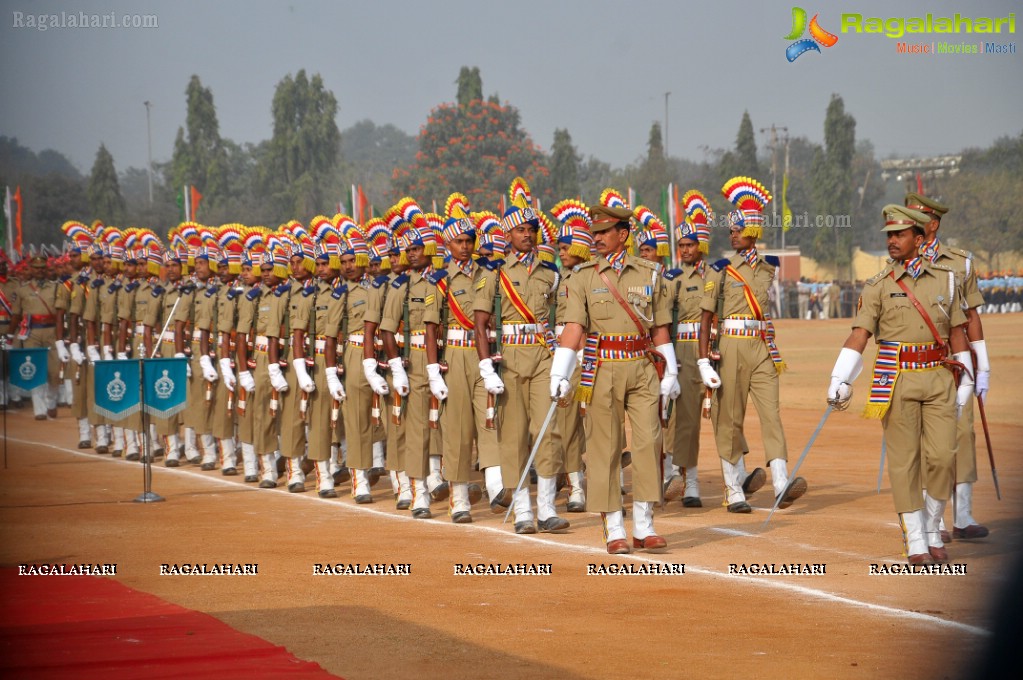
(59, 505)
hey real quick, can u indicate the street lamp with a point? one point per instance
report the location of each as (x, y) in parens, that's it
(149, 144)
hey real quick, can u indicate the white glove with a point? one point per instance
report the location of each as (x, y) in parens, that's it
(227, 373)
(965, 390)
(334, 386)
(562, 367)
(983, 368)
(399, 378)
(246, 381)
(188, 364)
(93, 353)
(209, 373)
(108, 353)
(491, 380)
(847, 369)
(277, 380)
(437, 387)
(375, 380)
(670, 389)
(305, 383)
(122, 355)
(62, 353)
(76, 353)
(708, 375)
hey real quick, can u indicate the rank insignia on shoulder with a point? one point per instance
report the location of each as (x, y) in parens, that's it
(254, 294)
(549, 265)
(482, 282)
(772, 260)
(282, 289)
(157, 291)
(339, 291)
(132, 286)
(211, 291)
(308, 290)
(436, 276)
(671, 274)
(720, 264)
(429, 299)
(708, 286)
(380, 280)
(232, 293)
(399, 281)
(96, 283)
(114, 287)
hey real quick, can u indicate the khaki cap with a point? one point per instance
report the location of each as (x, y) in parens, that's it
(604, 217)
(897, 218)
(925, 205)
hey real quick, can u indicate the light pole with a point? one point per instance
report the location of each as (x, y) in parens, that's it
(149, 145)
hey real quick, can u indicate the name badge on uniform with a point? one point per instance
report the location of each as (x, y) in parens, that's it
(458, 292)
(600, 290)
(738, 284)
(416, 299)
(691, 289)
(360, 302)
(897, 295)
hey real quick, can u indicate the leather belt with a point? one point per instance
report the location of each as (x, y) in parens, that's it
(922, 355)
(743, 325)
(632, 345)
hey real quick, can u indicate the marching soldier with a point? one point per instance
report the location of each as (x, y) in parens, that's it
(81, 241)
(527, 287)
(202, 396)
(964, 526)
(8, 297)
(750, 364)
(913, 309)
(123, 346)
(301, 296)
(618, 313)
(34, 311)
(220, 343)
(161, 316)
(575, 243)
(249, 301)
(90, 317)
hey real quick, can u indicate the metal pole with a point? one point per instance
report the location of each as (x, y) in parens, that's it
(147, 495)
(149, 140)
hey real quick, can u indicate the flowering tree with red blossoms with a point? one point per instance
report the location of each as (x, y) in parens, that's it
(476, 149)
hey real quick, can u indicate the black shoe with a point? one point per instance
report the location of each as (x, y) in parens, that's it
(282, 466)
(296, 487)
(462, 517)
(251, 479)
(576, 506)
(194, 461)
(117, 453)
(206, 467)
(403, 504)
(132, 457)
(229, 471)
(475, 494)
(795, 489)
(158, 453)
(422, 513)
(692, 502)
(102, 448)
(525, 528)
(85, 444)
(374, 474)
(51, 412)
(741, 507)
(501, 501)
(440, 492)
(754, 481)
(327, 493)
(626, 459)
(552, 524)
(267, 484)
(41, 417)
(343, 475)
(363, 499)
(171, 462)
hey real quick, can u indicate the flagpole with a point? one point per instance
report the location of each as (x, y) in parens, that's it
(147, 496)
(10, 222)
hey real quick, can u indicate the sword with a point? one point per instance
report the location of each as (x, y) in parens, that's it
(806, 450)
(532, 455)
(987, 440)
(880, 471)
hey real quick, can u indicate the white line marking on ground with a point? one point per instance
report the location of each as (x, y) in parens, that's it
(503, 532)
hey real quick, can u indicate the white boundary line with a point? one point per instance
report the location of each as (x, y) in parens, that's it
(702, 571)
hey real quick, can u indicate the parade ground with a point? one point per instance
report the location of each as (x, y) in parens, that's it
(445, 604)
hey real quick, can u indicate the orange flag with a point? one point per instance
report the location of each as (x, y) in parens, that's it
(196, 199)
(17, 221)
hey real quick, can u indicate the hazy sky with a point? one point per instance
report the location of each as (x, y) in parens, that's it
(598, 68)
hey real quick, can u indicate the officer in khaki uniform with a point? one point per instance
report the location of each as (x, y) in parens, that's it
(249, 301)
(204, 329)
(750, 363)
(464, 419)
(528, 287)
(146, 310)
(81, 384)
(34, 308)
(575, 245)
(270, 325)
(292, 424)
(90, 319)
(125, 345)
(618, 373)
(912, 390)
(961, 262)
(416, 289)
(169, 300)
(219, 345)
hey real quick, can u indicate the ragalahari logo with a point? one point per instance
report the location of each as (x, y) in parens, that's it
(818, 36)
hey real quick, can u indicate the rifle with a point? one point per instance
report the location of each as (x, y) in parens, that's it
(442, 330)
(496, 358)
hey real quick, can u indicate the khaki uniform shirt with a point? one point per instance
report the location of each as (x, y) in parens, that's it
(759, 281)
(591, 304)
(885, 311)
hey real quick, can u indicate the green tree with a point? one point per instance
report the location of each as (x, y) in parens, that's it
(652, 176)
(985, 214)
(199, 156)
(470, 86)
(564, 166)
(833, 185)
(477, 150)
(299, 173)
(370, 153)
(51, 200)
(743, 160)
(104, 191)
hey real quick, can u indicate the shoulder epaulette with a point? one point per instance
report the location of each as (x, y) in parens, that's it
(671, 274)
(254, 293)
(381, 280)
(114, 287)
(283, 288)
(772, 260)
(583, 265)
(96, 283)
(309, 290)
(942, 267)
(647, 263)
(959, 251)
(132, 285)
(339, 291)
(720, 264)
(82, 279)
(157, 291)
(550, 265)
(399, 281)
(490, 264)
(232, 293)
(436, 276)
(878, 276)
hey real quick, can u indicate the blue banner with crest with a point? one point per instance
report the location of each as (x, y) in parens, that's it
(116, 388)
(27, 367)
(165, 383)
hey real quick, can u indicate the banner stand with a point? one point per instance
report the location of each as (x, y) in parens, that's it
(147, 495)
(4, 365)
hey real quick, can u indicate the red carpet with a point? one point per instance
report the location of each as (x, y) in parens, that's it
(91, 627)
